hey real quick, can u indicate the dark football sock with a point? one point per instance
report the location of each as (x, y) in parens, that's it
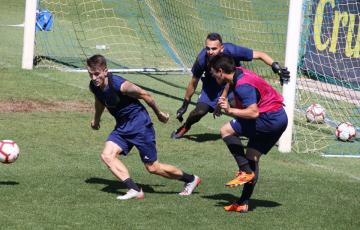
(187, 178)
(130, 184)
(195, 116)
(237, 150)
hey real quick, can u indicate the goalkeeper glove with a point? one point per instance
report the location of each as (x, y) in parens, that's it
(283, 73)
(182, 110)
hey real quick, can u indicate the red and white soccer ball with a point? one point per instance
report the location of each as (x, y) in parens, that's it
(315, 113)
(9, 151)
(345, 131)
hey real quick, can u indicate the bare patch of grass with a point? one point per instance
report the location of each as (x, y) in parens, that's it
(30, 106)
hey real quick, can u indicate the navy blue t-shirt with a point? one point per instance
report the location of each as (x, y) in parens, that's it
(200, 66)
(130, 115)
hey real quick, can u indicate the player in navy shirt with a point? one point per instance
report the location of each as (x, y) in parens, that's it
(211, 91)
(258, 115)
(133, 128)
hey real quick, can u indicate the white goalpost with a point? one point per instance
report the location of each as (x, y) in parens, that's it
(29, 34)
(291, 62)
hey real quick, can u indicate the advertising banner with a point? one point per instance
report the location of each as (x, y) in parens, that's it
(333, 40)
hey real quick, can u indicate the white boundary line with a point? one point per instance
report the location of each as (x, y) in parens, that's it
(138, 70)
(331, 170)
(18, 25)
(344, 156)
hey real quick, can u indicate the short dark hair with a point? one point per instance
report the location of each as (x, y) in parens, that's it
(223, 61)
(214, 37)
(96, 61)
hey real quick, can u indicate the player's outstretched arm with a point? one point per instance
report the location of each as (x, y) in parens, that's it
(190, 90)
(99, 109)
(263, 56)
(283, 73)
(135, 91)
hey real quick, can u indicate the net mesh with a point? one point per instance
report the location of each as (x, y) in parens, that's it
(169, 34)
(329, 75)
(157, 34)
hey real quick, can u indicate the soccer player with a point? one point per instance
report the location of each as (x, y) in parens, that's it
(210, 90)
(133, 128)
(258, 115)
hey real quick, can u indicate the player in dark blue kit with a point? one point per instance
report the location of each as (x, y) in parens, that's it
(258, 115)
(133, 128)
(210, 90)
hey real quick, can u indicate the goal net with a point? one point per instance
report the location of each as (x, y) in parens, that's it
(152, 35)
(329, 75)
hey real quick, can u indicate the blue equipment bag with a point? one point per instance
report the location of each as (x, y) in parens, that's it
(44, 20)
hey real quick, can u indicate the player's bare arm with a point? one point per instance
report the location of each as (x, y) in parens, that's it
(217, 111)
(190, 90)
(99, 109)
(250, 112)
(188, 94)
(135, 91)
(283, 73)
(263, 56)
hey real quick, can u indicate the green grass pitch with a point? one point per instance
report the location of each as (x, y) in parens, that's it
(59, 181)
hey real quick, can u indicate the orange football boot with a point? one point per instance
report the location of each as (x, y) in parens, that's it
(237, 208)
(241, 178)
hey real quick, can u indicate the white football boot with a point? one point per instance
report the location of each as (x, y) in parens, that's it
(190, 187)
(132, 194)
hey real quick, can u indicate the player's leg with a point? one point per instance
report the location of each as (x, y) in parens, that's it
(110, 156)
(153, 166)
(172, 172)
(195, 116)
(268, 133)
(269, 128)
(146, 144)
(233, 142)
(167, 171)
(201, 109)
(164, 170)
(242, 204)
(257, 146)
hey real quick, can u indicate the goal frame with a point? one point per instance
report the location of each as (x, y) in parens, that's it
(291, 60)
(29, 34)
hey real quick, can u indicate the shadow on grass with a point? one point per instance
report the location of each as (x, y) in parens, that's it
(226, 199)
(8, 183)
(203, 137)
(112, 186)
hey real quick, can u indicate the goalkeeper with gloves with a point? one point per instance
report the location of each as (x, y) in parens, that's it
(211, 91)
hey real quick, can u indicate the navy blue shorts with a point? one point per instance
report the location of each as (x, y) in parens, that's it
(144, 141)
(210, 95)
(263, 132)
(204, 98)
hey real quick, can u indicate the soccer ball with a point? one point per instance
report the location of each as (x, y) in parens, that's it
(315, 113)
(9, 151)
(345, 131)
